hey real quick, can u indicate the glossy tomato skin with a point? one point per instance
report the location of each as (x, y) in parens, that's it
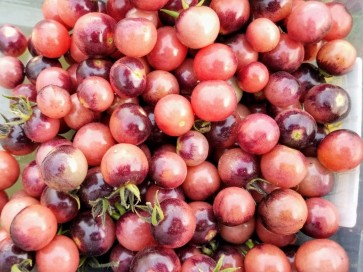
(60, 252)
(90, 235)
(10, 170)
(33, 228)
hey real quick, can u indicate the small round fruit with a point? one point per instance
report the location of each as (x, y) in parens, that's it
(64, 169)
(33, 228)
(341, 150)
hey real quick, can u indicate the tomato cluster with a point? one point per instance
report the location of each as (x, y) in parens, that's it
(172, 135)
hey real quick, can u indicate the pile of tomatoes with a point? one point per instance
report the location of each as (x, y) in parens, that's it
(176, 135)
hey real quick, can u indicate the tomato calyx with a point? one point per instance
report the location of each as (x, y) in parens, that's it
(155, 213)
(185, 5)
(248, 245)
(256, 185)
(219, 264)
(21, 107)
(91, 262)
(23, 266)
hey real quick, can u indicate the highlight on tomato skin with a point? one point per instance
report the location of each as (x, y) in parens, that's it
(177, 135)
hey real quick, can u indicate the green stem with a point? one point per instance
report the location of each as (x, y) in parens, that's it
(23, 266)
(171, 13)
(200, 3)
(185, 4)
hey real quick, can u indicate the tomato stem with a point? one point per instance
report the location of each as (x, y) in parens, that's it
(22, 266)
(172, 13)
(185, 4)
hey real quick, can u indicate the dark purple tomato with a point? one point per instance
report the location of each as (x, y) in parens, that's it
(327, 103)
(272, 9)
(32, 180)
(92, 237)
(70, 11)
(186, 76)
(122, 257)
(63, 205)
(177, 227)
(232, 14)
(323, 218)
(93, 67)
(308, 75)
(10, 255)
(93, 187)
(118, 8)
(64, 169)
(223, 134)
(27, 90)
(93, 34)
(297, 128)
(40, 128)
(173, 5)
(12, 41)
(128, 77)
(206, 224)
(237, 167)
(232, 257)
(12, 72)
(156, 258)
(16, 142)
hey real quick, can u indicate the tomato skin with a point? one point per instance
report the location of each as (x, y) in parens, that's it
(61, 254)
(9, 169)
